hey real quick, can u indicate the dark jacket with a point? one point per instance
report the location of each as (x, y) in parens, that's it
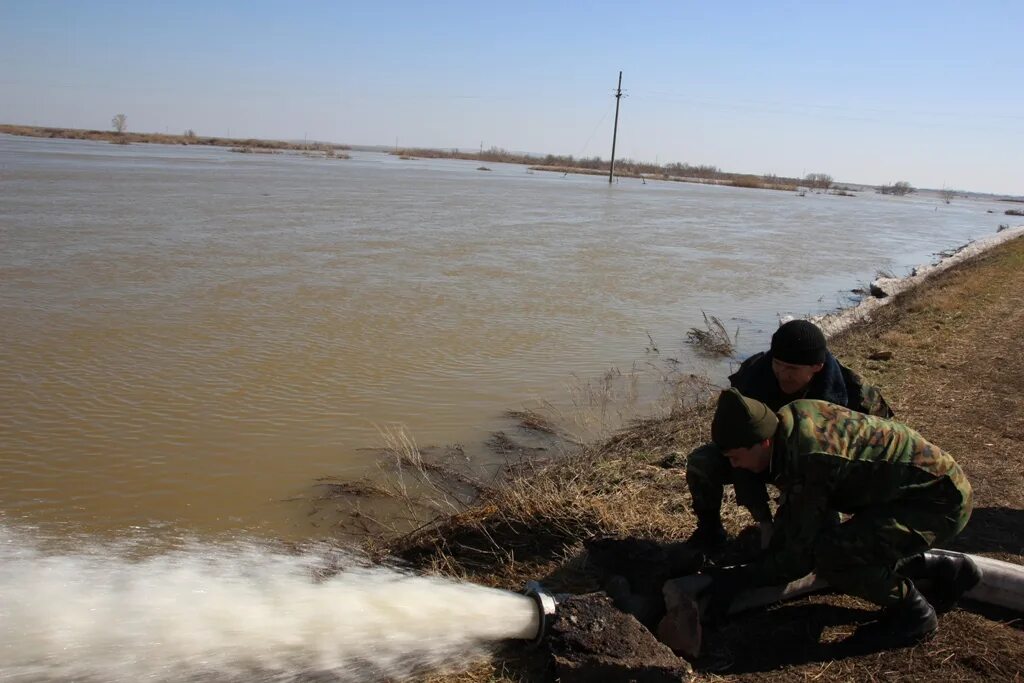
(835, 383)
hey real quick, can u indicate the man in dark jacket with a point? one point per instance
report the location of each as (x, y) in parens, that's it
(798, 366)
(902, 495)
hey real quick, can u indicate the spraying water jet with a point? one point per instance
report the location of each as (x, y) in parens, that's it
(242, 612)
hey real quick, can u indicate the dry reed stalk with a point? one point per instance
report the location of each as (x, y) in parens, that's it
(714, 339)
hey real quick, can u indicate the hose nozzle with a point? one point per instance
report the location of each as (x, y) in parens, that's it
(547, 605)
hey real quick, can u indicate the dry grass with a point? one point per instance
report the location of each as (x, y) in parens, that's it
(603, 404)
(760, 182)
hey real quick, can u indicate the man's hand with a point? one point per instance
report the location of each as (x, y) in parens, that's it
(726, 583)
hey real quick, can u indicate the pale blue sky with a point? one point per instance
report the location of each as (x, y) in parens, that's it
(929, 92)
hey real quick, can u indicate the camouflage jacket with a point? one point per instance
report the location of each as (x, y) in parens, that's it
(836, 383)
(830, 459)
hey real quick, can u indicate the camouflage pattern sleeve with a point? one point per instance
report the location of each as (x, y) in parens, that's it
(865, 398)
(872, 402)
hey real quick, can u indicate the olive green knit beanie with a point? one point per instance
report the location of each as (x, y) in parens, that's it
(741, 422)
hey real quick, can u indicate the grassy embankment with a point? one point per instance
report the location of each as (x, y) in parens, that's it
(953, 373)
(243, 145)
(625, 168)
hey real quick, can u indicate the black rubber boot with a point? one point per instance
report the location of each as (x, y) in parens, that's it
(951, 576)
(709, 534)
(907, 623)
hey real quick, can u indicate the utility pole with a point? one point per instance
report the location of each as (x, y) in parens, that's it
(615, 130)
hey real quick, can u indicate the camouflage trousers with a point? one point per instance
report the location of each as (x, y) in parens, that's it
(862, 556)
(707, 473)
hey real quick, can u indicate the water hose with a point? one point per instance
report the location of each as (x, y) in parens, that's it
(1001, 584)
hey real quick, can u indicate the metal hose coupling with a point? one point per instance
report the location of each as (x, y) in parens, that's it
(547, 605)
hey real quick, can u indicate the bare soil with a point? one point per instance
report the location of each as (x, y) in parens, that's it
(593, 642)
(948, 358)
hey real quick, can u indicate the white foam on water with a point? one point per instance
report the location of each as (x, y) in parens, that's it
(239, 612)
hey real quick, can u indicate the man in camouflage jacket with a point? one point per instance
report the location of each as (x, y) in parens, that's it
(798, 365)
(903, 495)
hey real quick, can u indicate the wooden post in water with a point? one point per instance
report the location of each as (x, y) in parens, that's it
(615, 130)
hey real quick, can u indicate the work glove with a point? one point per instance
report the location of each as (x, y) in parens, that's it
(726, 583)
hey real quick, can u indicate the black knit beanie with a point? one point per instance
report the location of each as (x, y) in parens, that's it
(741, 422)
(799, 342)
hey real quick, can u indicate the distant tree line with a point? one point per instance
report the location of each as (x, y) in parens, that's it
(899, 189)
(623, 167)
(818, 181)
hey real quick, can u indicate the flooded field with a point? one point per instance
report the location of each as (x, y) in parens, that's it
(190, 337)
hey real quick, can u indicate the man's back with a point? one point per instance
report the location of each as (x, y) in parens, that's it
(855, 460)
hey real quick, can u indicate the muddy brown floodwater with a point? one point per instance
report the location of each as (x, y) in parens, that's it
(189, 337)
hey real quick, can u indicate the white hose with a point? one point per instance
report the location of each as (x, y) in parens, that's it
(1002, 584)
